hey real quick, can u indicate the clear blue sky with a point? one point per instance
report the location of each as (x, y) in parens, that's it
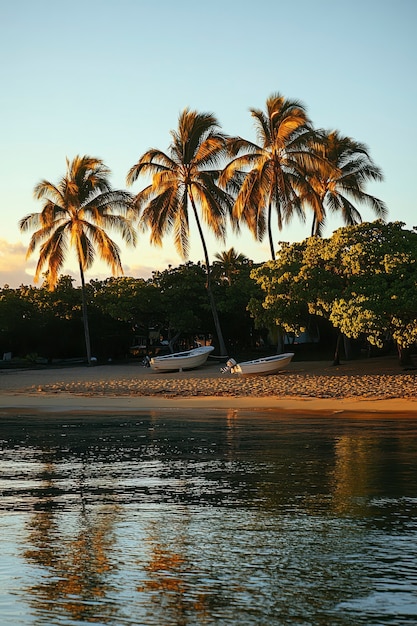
(109, 78)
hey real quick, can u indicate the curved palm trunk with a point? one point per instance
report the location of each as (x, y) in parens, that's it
(271, 241)
(314, 226)
(280, 332)
(336, 357)
(222, 345)
(317, 222)
(85, 317)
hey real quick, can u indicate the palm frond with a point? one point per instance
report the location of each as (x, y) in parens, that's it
(181, 228)
(30, 221)
(106, 248)
(212, 152)
(82, 237)
(45, 189)
(76, 213)
(122, 226)
(53, 214)
(52, 254)
(116, 202)
(152, 162)
(43, 234)
(234, 183)
(193, 130)
(142, 199)
(251, 204)
(235, 145)
(159, 215)
(212, 210)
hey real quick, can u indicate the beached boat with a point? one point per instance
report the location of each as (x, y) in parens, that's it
(259, 367)
(187, 360)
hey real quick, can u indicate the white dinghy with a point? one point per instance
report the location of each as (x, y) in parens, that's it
(259, 367)
(187, 360)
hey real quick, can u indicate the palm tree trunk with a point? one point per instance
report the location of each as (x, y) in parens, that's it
(280, 341)
(271, 241)
(313, 226)
(222, 345)
(85, 317)
(404, 356)
(336, 357)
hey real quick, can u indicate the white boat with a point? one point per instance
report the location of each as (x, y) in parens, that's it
(187, 360)
(259, 367)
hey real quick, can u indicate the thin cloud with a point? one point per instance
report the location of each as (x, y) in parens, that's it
(14, 269)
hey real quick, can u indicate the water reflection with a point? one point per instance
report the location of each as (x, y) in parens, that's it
(234, 518)
(373, 470)
(75, 563)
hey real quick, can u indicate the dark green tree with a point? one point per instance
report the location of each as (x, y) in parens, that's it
(19, 321)
(363, 279)
(184, 301)
(227, 264)
(135, 301)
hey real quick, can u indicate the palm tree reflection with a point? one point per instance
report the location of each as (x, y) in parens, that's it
(74, 553)
(355, 457)
(371, 472)
(170, 576)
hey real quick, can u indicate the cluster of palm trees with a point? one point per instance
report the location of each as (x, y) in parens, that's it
(292, 169)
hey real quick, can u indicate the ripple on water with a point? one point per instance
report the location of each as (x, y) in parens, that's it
(243, 521)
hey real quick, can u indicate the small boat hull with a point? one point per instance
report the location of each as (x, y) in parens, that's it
(264, 366)
(179, 361)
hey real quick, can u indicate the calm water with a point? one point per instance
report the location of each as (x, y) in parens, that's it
(235, 517)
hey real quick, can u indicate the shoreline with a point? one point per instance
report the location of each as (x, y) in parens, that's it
(123, 405)
(372, 386)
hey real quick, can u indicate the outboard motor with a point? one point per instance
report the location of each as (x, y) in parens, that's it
(228, 367)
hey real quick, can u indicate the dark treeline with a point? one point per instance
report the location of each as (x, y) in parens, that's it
(124, 312)
(356, 288)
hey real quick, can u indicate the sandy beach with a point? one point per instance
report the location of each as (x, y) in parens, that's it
(375, 385)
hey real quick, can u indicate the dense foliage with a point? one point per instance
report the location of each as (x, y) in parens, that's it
(363, 279)
(172, 306)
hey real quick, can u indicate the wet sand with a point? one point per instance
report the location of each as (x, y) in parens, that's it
(377, 385)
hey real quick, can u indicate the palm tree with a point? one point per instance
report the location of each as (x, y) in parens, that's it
(76, 214)
(335, 190)
(267, 174)
(229, 263)
(186, 175)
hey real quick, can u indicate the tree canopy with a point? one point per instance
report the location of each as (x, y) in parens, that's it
(266, 174)
(363, 279)
(342, 187)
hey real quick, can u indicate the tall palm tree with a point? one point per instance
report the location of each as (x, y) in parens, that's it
(229, 263)
(336, 189)
(186, 176)
(267, 174)
(76, 214)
